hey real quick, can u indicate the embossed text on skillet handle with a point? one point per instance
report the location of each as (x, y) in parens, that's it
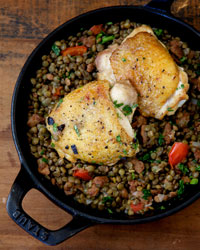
(21, 186)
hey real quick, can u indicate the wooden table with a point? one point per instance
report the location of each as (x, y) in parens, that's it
(23, 24)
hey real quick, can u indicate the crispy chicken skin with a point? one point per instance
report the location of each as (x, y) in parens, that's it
(144, 61)
(90, 128)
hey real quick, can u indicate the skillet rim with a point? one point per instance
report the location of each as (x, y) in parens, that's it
(37, 182)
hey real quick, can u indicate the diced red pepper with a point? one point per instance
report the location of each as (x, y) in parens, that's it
(178, 152)
(74, 51)
(82, 174)
(96, 29)
(137, 207)
(57, 93)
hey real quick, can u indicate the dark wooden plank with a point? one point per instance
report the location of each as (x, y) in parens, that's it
(23, 23)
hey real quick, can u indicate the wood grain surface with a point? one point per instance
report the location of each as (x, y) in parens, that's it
(23, 24)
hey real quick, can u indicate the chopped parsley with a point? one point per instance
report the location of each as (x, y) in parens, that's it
(123, 59)
(118, 138)
(125, 152)
(181, 188)
(146, 193)
(183, 59)
(133, 176)
(162, 208)
(110, 211)
(135, 145)
(146, 157)
(170, 109)
(183, 168)
(107, 199)
(59, 103)
(117, 105)
(127, 110)
(69, 74)
(134, 106)
(52, 145)
(93, 162)
(44, 160)
(198, 168)
(118, 115)
(194, 181)
(160, 139)
(42, 152)
(76, 130)
(55, 49)
(109, 23)
(182, 86)
(158, 32)
(106, 39)
(99, 35)
(55, 129)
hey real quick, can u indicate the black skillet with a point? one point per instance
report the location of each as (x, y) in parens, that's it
(157, 14)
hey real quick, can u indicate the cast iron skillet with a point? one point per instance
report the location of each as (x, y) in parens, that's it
(156, 13)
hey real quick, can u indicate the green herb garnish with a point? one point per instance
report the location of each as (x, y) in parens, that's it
(52, 145)
(194, 181)
(59, 102)
(109, 23)
(198, 168)
(127, 110)
(55, 129)
(134, 106)
(158, 32)
(69, 75)
(110, 211)
(170, 109)
(107, 199)
(55, 49)
(99, 35)
(162, 208)
(117, 105)
(135, 145)
(181, 188)
(42, 152)
(125, 152)
(118, 115)
(160, 139)
(183, 59)
(146, 193)
(123, 59)
(182, 86)
(146, 157)
(118, 138)
(93, 162)
(106, 39)
(133, 175)
(76, 130)
(44, 160)
(183, 168)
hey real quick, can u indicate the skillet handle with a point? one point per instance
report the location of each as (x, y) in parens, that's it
(21, 186)
(162, 5)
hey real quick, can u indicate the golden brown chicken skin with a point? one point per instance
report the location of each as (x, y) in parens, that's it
(85, 126)
(144, 61)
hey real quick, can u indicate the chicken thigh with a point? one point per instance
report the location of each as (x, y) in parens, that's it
(145, 62)
(86, 125)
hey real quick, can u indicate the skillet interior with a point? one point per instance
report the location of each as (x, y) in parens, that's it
(22, 90)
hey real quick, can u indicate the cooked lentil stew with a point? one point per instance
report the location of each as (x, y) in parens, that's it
(132, 186)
